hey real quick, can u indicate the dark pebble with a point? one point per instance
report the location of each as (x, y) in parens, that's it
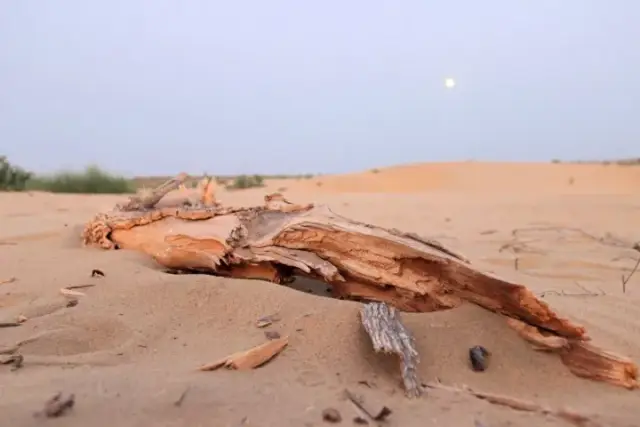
(331, 415)
(479, 357)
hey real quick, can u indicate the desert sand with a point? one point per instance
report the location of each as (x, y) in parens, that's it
(130, 349)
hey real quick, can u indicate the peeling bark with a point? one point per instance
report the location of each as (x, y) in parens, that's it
(359, 261)
(389, 335)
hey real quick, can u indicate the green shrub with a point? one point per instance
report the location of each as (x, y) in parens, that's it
(92, 180)
(246, 181)
(12, 178)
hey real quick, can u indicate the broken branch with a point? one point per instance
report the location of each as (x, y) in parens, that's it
(388, 335)
(147, 199)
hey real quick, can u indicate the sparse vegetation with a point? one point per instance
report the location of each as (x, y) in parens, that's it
(246, 181)
(12, 178)
(92, 180)
(634, 161)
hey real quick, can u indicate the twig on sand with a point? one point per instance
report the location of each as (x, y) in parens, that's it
(608, 239)
(568, 415)
(586, 293)
(182, 397)
(381, 415)
(9, 324)
(91, 285)
(625, 281)
(9, 280)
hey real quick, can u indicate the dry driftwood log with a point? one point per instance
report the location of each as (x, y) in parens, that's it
(359, 261)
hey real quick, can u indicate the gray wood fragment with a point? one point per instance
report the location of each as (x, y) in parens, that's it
(388, 335)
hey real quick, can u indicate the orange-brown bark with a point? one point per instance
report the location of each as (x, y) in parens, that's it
(280, 240)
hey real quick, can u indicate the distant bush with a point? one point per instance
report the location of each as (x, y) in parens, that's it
(12, 178)
(246, 181)
(92, 180)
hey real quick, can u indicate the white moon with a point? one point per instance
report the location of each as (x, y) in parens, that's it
(449, 83)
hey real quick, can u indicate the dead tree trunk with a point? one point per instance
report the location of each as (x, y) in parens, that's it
(280, 240)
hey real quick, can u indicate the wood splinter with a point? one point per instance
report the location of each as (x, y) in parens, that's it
(388, 335)
(250, 359)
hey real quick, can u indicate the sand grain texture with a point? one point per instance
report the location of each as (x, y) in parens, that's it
(131, 346)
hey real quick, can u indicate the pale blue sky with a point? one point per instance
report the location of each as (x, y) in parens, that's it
(159, 86)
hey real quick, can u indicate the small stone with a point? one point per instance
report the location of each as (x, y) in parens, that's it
(331, 415)
(271, 335)
(478, 355)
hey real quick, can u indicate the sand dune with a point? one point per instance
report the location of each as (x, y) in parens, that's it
(131, 346)
(489, 177)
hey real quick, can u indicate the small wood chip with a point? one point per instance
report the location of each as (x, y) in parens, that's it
(21, 318)
(265, 321)
(9, 280)
(331, 415)
(67, 292)
(252, 358)
(72, 303)
(97, 273)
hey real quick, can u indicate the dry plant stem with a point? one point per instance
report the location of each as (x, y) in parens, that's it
(281, 240)
(608, 239)
(9, 324)
(522, 405)
(625, 281)
(370, 417)
(388, 335)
